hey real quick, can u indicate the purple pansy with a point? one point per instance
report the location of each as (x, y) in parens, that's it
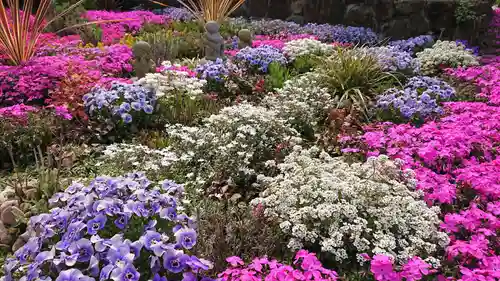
(96, 224)
(175, 261)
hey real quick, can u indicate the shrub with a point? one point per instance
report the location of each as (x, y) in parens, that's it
(302, 102)
(345, 210)
(354, 78)
(125, 227)
(230, 147)
(420, 98)
(445, 54)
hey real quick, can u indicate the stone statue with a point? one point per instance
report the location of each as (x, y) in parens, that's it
(213, 41)
(143, 59)
(297, 8)
(244, 38)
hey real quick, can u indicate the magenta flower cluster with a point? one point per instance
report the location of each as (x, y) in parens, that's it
(306, 266)
(382, 268)
(125, 22)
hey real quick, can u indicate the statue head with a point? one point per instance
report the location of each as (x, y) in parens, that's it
(245, 35)
(212, 27)
(141, 49)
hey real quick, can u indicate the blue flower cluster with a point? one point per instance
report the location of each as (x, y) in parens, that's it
(120, 102)
(393, 59)
(261, 57)
(420, 98)
(213, 70)
(177, 14)
(473, 49)
(414, 44)
(342, 34)
(123, 228)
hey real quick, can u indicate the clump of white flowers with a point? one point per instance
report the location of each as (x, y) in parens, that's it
(305, 47)
(350, 209)
(445, 53)
(302, 102)
(135, 156)
(230, 145)
(173, 80)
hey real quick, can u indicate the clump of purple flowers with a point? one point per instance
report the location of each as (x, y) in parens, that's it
(473, 49)
(122, 103)
(213, 70)
(177, 14)
(258, 59)
(419, 99)
(122, 228)
(414, 44)
(393, 59)
(342, 34)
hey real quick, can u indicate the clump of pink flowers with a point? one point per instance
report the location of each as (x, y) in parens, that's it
(306, 266)
(124, 22)
(383, 269)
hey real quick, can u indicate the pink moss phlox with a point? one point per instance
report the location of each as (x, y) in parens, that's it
(383, 269)
(306, 266)
(127, 22)
(18, 110)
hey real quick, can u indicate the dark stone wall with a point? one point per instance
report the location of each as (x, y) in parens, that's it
(393, 18)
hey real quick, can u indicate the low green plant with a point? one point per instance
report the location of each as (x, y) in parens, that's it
(354, 78)
(278, 74)
(164, 45)
(90, 34)
(464, 12)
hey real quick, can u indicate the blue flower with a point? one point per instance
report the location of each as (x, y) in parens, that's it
(28, 251)
(186, 238)
(72, 275)
(96, 224)
(148, 109)
(127, 118)
(121, 222)
(125, 106)
(136, 106)
(125, 273)
(168, 214)
(175, 261)
(83, 248)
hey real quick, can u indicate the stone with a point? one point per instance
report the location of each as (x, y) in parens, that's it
(360, 15)
(213, 43)
(8, 215)
(244, 38)
(143, 59)
(30, 194)
(7, 204)
(5, 237)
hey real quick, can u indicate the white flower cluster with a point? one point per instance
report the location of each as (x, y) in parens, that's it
(302, 102)
(138, 156)
(307, 46)
(173, 81)
(234, 142)
(447, 53)
(360, 208)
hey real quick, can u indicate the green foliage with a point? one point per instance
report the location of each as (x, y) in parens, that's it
(464, 11)
(278, 74)
(183, 109)
(354, 78)
(90, 34)
(226, 229)
(70, 19)
(164, 45)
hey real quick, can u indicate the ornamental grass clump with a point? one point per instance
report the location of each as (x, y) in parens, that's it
(445, 54)
(420, 98)
(354, 77)
(347, 210)
(231, 146)
(124, 228)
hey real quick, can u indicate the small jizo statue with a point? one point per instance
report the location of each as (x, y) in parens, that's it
(245, 38)
(143, 59)
(213, 41)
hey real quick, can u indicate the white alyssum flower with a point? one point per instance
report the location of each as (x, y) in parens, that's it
(358, 208)
(302, 102)
(447, 53)
(172, 82)
(233, 143)
(305, 47)
(141, 156)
